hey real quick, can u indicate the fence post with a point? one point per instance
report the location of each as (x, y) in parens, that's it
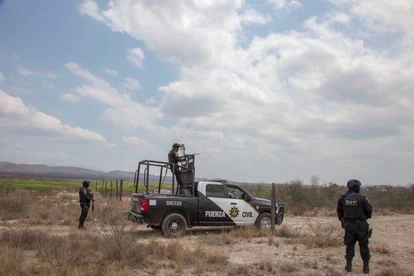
(273, 208)
(121, 187)
(116, 186)
(111, 188)
(105, 188)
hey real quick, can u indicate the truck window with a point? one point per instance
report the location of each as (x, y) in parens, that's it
(216, 191)
(235, 192)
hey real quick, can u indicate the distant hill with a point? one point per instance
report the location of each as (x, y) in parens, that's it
(45, 171)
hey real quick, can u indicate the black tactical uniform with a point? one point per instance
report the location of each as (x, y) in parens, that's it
(173, 158)
(85, 198)
(353, 210)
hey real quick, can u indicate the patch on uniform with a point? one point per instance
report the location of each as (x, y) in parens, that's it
(351, 202)
(234, 212)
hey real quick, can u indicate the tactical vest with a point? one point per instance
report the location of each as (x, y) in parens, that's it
(353, 207)
(82, 197)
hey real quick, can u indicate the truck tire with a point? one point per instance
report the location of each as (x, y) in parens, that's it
(173, 225)
(264, 222)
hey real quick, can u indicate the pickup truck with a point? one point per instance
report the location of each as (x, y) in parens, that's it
(212, 204)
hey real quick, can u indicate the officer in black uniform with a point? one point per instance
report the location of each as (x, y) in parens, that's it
(173, 158)
(85, 198)
(353, 210)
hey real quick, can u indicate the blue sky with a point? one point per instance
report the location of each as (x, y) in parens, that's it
(271, 90)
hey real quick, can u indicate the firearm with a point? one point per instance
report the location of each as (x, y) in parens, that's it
(92, 199)
(369, 233)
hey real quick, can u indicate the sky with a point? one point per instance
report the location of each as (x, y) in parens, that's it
(264, 90)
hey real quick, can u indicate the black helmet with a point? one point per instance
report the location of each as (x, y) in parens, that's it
(176, 145)
(85, 183)
(353, 183)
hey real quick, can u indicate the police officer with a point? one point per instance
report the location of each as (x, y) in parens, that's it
(353, 210)
(173, 158)
(85, 198)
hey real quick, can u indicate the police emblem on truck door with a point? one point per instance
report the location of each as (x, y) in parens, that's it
(234, 212)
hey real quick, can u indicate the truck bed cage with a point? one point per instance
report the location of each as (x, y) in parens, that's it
(186, 171)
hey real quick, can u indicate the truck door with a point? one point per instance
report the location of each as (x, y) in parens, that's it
(214, 205)
(241, 212)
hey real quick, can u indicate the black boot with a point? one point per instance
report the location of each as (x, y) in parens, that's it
(348, 267)
(366, 268)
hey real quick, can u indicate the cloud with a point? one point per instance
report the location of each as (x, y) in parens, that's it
(26, 72)
(110, 72)
(121, 109)
(15, 115)
(176, 38)
(2, 78)
(131, 84)
(253, 16)
(91, 8)
(297, 99)
(135, 141)
(69, 97)
(284, 4)
(135, 56)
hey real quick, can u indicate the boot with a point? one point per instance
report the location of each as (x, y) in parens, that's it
(366, 268)
(348, 267)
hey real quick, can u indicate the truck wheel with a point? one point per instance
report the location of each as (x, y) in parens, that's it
(173, 225)
(264, 222)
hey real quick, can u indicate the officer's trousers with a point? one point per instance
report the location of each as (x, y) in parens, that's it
(84, 213)
(356, 231)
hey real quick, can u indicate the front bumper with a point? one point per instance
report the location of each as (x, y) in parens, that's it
(280, 213)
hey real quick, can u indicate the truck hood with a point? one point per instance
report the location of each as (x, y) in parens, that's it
(261, 201)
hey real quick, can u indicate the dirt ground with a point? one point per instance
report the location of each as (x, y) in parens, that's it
(392, 245)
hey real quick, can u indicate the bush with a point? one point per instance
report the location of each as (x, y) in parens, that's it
(310, 200)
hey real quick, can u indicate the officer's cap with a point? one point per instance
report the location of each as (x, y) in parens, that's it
(176, 145)
(85, 183)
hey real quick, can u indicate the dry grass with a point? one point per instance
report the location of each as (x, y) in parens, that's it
(287, 232)
(14, 204)
(311, 264)
(247, 233)
(393, 271)
(83, 251)
(381, 249)
(239, 270)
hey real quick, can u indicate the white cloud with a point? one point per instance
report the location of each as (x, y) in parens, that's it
(283, 4)
(199, 29)
(90, 8)
(296, 99)
(135, 56)
(131, 84)
(253, 16)
(2, 78)
(15, 115)
(69, 97)
(121, 109)
(135, 141)
(24, 71)
(111, 72)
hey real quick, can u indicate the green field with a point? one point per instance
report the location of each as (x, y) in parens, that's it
(7, 183)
